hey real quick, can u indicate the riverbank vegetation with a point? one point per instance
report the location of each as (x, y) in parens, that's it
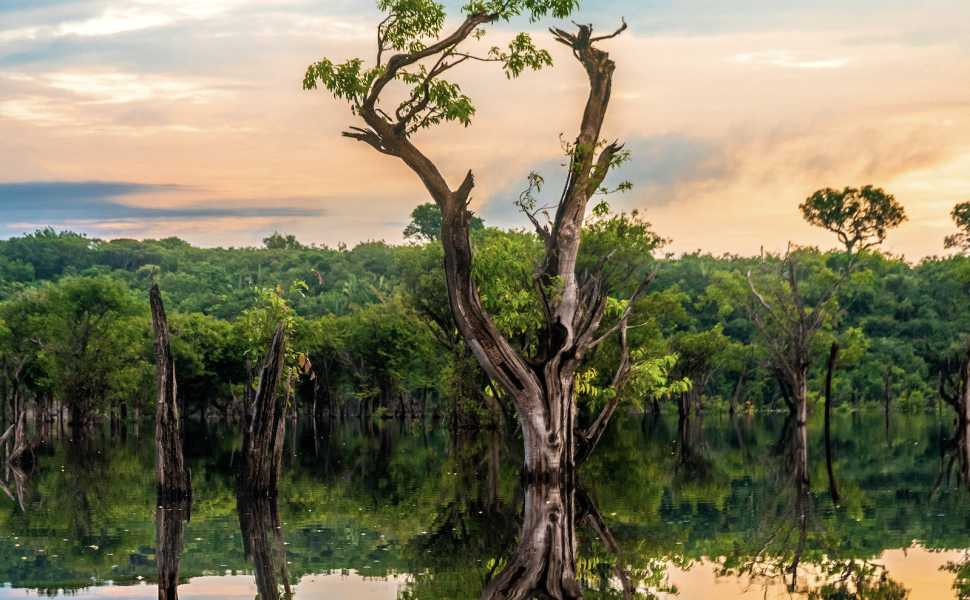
(376, 324)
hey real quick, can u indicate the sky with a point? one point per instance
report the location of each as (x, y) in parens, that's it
(154, 118)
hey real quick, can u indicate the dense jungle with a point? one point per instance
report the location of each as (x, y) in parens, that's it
(560, 412)
(374, 321)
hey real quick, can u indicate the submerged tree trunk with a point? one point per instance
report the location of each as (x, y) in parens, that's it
(170, 475)
(263, 436)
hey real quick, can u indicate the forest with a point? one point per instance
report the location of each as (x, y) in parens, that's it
(375, 324)
(440, 397)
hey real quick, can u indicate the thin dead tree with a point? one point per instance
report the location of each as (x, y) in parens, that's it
(262, 452)
(788, 322)
(833, 356)
(170, 519)
(540, 384)
(955, 391)
(171, 477)
(258, 517)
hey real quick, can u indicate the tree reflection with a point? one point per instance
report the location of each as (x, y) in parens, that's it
(546, 565)
(258, 517)
(792, 547)
(170, 519)
(543, 564)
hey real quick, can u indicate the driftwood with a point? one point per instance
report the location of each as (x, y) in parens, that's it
(263, 436)
(171, 477)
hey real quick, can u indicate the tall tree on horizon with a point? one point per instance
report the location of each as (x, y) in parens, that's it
(860, 217)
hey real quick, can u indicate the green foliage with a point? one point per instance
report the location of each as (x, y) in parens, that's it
(279, 241)
(259, 323)
(415, 29)
(961, 216)
(856, 216)
(503, 269)
(83, 336)
(522, 55)
(425, 225)
(887, 312)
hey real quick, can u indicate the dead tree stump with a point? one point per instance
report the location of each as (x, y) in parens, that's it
(263, 437)
(171, 476)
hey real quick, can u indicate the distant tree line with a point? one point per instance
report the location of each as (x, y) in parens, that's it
(374, 321)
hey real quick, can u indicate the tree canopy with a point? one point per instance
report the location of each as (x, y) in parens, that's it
(961, 216)
(860, 217)
(425, 223)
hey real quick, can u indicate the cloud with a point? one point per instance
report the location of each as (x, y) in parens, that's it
(662, 168)
(63, 202)
(115, 87)
(778, 58)
(124, 17)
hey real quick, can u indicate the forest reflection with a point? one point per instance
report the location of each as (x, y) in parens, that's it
(745, 501)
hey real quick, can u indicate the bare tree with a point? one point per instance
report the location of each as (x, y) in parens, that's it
(790, 308)
(540, 384)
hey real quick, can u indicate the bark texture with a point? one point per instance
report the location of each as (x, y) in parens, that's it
(171, 476)
(263, 436)
(540, 386)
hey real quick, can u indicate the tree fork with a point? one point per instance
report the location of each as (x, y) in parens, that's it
(542, 389)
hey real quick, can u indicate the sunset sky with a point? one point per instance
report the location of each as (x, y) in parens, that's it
(152, 118)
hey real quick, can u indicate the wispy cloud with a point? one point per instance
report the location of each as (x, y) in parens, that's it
(64, 202)
(779, 58)
(111, 88)
(127, 16)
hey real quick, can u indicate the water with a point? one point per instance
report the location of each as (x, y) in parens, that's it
(389, 510)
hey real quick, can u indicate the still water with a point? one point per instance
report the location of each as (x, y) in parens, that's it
(387, 510)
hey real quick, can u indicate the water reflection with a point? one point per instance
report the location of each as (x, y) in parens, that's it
(794, 545)
(170, 519)
(543, 564)
(259, 518)
(743, 502)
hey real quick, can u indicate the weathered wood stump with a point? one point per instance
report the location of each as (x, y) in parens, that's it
(262, 451)
(171, 477)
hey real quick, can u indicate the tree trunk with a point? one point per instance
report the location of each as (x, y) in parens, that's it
(170, 475)
(833, 487)
(541, 387)
(737, 390)
(259, 472)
